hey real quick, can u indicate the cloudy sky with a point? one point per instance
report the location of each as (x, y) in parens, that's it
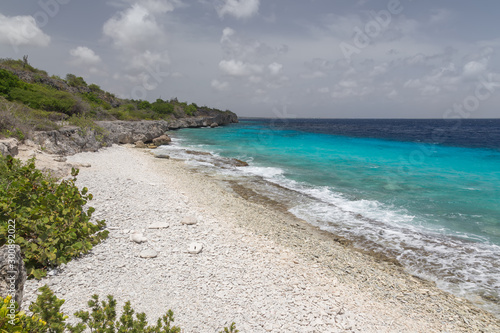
(273, 58)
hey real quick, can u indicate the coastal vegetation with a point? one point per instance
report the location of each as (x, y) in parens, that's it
(52, 223)
(46, 317)
(31, 100)
(52, 218)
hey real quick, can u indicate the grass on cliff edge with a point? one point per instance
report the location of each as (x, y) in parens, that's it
(30, 101)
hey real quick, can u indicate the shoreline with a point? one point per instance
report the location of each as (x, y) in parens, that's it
(261, 267)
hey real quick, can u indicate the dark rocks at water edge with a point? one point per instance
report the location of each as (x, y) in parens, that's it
(161, 140)
(12, 272)
(70, 140)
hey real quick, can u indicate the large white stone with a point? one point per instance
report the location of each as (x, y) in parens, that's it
(138, 238)
(149, 253)
(195, 248)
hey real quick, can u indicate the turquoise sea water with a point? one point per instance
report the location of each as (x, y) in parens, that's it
(432, 204)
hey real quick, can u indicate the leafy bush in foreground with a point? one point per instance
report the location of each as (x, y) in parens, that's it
(47, 318)
(51, 224)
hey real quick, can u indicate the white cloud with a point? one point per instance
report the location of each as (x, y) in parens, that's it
(82, 55)
(239, 68)
(379, 70)
(441, 79)
(239, 8)
(21, 30)
(148, 59)
(348, 84)
(159, 6)
(135, 27)
(140, 39)
(226, 34)
(473, 69)
(275, 68)
(218, 85)
(247, 48)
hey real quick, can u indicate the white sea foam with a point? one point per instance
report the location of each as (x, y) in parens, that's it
(268, 173)
(458, 262)
(463, 267)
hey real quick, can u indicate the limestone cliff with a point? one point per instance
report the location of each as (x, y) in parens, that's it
(70, 140)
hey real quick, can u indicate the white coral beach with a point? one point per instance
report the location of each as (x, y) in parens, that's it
(259, 267)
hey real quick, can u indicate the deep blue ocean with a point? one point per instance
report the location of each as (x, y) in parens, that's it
(426, 192)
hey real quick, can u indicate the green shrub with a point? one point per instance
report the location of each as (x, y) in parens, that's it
(14, 321)
(162, 107)
(74, 81)
(190, 109)
(230, 329)
(47, 315)
(102, 318)
(42, 97)
(47, 318)
(52, 225)
(95, 88)
(143, 105)
(10, 318)
(92, 97)
(8, 81)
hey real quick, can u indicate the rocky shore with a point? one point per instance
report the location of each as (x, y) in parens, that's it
(180, 240)
(70, 140)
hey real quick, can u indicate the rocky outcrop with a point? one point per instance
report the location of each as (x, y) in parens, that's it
(140, 144)
(238, 163)
(133, 131)
(71, 140)
(162, 140)
(9, 147)
(12, 272)
(219, 118)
